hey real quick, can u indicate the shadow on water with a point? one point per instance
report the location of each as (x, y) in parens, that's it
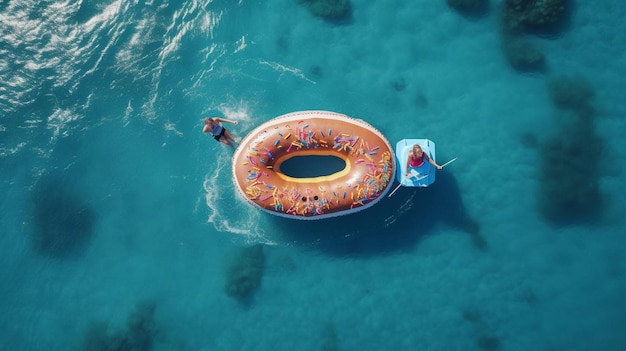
(394, 224)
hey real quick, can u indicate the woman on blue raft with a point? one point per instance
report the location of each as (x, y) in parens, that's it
(416, 159)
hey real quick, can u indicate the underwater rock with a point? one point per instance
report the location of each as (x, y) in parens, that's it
(520, 15)
(139, 335)
(522, 54)
(537, 17)
(568, 193)
(244, 274)
(469, 7)
(330, 10)
(572, 92)
(569, 190)
(63, 223)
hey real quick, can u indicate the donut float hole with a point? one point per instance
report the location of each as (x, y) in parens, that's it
(312, 166)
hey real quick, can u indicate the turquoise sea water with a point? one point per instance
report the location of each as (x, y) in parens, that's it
(120, 222)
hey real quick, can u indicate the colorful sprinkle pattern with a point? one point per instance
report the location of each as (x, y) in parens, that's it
(370, 173)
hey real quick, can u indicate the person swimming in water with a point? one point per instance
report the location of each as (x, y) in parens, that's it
(416, 159)
(213, 125)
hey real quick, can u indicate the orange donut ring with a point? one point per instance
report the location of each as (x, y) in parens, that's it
(365, 179)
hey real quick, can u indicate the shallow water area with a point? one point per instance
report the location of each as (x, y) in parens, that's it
(119, 212)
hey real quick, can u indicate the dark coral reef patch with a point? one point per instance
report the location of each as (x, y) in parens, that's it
(62, 221)
(521, 18)
(140, 334)
(336, 11)
(572, 92)
(245, 272)
(522, 54)
(532, 15)
(569, 190)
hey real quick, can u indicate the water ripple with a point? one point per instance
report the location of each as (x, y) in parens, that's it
(68, 65)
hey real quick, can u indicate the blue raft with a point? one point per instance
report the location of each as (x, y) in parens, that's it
(421, 176)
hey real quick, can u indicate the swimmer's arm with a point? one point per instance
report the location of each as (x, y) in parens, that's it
(225, 120)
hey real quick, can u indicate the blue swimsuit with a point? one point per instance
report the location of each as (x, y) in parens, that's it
(217, 131)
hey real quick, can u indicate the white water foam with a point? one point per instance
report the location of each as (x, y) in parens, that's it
(283, 69)
(223, 200)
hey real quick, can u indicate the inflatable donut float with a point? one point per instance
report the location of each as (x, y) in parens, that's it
(365, 174)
